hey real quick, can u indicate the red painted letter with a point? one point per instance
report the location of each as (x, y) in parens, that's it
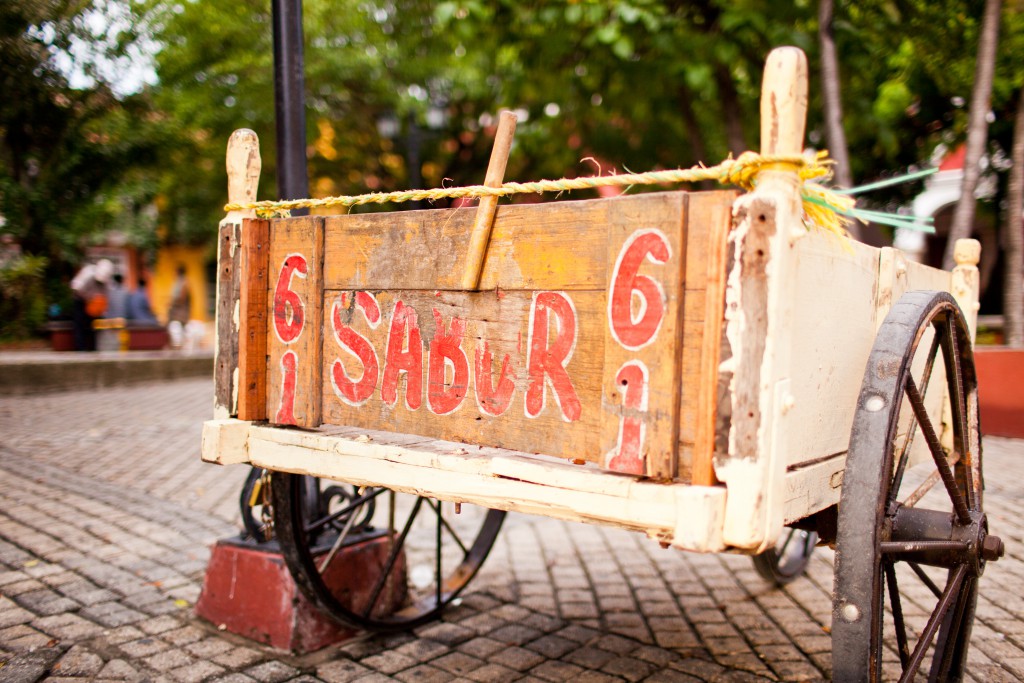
(289, 314)
(446, 349)
(355, 392)
(631, 381)
(404, 325)
(492, 400)
(635, 331)
(286, 411)
(549, 361)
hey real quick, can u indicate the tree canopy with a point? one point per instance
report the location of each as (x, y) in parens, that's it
(637, 84)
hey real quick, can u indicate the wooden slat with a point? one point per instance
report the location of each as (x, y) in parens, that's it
(496, 322)
(252, 320)
(558, 246)
(226, 361)
(643, 332)
(294, 306)
(710, 215)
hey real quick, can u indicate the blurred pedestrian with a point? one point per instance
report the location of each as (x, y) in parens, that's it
(139, 310)
(181, 299)
(89, 301)
(117, 298)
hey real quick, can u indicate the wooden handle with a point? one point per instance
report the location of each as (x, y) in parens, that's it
(244, 166)
(784, 102)
(481, 232)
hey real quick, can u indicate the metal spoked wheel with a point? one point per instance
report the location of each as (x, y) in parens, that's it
(913, 538)
(419, 552)
(788, 559)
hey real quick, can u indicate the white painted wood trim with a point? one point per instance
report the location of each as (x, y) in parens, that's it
(687, 517)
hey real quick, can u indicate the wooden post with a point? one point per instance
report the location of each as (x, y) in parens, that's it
(759, 310)
(254, 277)
(481, 233)
(243, 167)
(966, 282)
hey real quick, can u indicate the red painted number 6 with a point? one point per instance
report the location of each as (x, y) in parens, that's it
(289, 313)
(289, 318)
(635, 329)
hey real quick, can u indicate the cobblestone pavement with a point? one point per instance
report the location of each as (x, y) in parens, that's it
(106, 515)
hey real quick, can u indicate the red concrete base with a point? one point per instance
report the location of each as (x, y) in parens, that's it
(248, 591)
(1001, 390)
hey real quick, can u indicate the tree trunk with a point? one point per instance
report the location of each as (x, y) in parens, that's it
(693, 130)
(835, 136)
(977, 128)
(729, 101)
(1013, 242)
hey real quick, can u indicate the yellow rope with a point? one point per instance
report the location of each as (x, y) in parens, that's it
(742, 172)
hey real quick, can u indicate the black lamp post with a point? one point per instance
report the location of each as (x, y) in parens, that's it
(290, 101)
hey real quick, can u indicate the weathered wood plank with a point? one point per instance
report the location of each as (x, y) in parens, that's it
(710, 215)
(643, 332)
(689, 517)
(518, 370)
(226, 354)
(243, 165)
(560, 246)
(252, 320)
(295, 312)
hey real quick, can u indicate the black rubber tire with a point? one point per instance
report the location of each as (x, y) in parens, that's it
(302, 548)
(787, 561)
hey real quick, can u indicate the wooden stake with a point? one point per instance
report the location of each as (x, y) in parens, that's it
(481, 234)
(243, 166)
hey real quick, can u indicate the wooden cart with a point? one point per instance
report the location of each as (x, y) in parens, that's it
(699, 367)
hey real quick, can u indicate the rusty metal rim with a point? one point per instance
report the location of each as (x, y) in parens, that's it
(865, 557)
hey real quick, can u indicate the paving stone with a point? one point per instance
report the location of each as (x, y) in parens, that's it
(514, 634)
(67, 627)
(493, 673)
(557, 671)
(341, 671)
(78, 661)
(589, 657)
(117, 669)
(552, 646)
(516, 658)
(481, 647)
(457, 663)
(389, 662)
(238, 657)
(271, 672)
(196, 672)
(446, 633)
(11, 614)
(168, 659)
(424, 673)
(29, 666)
(143, 647)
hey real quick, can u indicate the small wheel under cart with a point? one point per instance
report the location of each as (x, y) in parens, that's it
(913, 536)
(428, 550)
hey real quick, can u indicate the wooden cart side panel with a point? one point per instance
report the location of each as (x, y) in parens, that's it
(830, 337)
(252, 320)
(294, 307)
(540, 257)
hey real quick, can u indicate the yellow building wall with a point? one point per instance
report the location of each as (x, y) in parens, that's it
(165, 271)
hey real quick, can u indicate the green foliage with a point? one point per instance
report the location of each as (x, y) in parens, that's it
(22, 299)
